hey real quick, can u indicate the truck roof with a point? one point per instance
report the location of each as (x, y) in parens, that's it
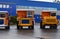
(3, 11)
(26, 9)
(49, 10)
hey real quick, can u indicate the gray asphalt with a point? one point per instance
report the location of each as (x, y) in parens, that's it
(37, 33)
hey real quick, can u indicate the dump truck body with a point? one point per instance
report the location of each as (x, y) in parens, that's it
(25, 18)
(4, 19)
(49, 19)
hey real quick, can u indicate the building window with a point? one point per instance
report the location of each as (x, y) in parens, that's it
(7, 6)
(0, 5)
(4, 6)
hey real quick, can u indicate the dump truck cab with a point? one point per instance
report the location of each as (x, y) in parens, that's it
(49, 19)
(25, 18)
(4, 19)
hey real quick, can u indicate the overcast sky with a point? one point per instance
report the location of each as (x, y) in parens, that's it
(44, 0)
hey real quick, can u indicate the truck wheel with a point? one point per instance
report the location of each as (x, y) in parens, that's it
(41, 25)
(7, 27)
(55, 26)
(32, 27)
(29, 27)
(21, 27)
(17, 25)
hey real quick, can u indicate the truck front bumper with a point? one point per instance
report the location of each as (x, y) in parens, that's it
(3, 25)
(25, 24)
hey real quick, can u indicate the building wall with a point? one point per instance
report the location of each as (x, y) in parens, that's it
(37, 9)
(30, 3)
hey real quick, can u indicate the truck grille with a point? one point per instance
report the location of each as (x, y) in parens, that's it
(1, 21)
(25, 21)
(50, 20)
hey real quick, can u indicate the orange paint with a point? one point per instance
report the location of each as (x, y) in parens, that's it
(45, 14)
(6, 19)
(22, 14)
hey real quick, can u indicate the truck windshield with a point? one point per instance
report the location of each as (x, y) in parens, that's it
(53, 14)
(2, 15)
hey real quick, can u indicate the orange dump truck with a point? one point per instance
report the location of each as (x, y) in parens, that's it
(49, 20)
(25, 18)
(4, 19)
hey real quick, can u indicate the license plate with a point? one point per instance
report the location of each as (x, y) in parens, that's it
(47, 26)
(25, 27)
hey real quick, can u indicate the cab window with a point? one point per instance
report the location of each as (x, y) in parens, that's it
(53, 14)
(2, 15)
(29, 14)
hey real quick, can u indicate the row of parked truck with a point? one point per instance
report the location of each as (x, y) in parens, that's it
(25, 18)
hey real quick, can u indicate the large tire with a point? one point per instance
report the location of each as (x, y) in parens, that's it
(21, 27)
(17, 25)
(51, 27)
(41, 25)
(55, 26)
(7, 27)
(31, 27)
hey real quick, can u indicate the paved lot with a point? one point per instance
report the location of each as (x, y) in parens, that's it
(13, 33)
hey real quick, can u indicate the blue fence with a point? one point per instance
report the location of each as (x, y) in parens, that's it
(58, 17)
(37, 18)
